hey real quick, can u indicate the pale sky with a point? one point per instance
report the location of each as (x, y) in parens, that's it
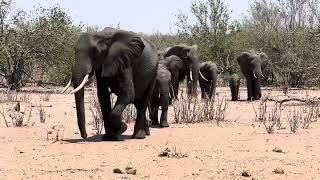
(146, 16)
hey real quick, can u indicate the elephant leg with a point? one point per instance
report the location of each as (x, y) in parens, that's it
(126, 96)
(164, 102)
(140, 130)
(164, 116)
(213, 88)
(256, 89)
(249, 88)
(237, 92)
(154, 107)
(155, 121)
(105, 104)
(141, 127)
(202, 88)
(233, 93)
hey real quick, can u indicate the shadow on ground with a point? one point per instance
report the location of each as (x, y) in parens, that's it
(97, 138)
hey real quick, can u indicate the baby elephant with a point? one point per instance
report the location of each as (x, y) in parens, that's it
(234, 84)
(161, 97)
(208, 76)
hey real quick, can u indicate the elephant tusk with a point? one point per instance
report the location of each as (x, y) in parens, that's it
(191, 76)
(85, 79)
(203, 76)
(169, 95)
(254, 75)
(67, 87)
(262, 75)
(159, 95)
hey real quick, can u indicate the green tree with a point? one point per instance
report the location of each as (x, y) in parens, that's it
(209, 29)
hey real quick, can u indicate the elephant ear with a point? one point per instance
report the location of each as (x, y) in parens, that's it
(124, 48)
(243, 57)
(263, 56)
(264, 60)
(180, 51)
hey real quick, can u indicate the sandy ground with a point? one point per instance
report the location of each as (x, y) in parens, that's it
(210, 151)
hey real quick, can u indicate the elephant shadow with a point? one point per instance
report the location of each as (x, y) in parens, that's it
(96, 138)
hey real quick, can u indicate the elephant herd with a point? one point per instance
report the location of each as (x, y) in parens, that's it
(132, 68)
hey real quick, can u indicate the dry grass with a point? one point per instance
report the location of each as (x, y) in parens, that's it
(174, 153)
(301, 115)
(189, 109)
(42, 114)
(45, 97)
(96, 114)
(16, 118)
(13, 96)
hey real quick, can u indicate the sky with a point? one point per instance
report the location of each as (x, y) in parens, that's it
(146, 16)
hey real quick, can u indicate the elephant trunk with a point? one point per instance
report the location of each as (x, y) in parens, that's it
(194, 73)
(164, 92)
(79, 74)
(257, 84)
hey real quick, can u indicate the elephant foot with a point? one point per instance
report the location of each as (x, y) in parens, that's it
(147, 129)
(111, 137)
(84, 135)
(141, 134)
(164, 124)
(120, 131)
(155, 123)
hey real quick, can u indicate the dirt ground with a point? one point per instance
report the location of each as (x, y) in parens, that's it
(205, 150)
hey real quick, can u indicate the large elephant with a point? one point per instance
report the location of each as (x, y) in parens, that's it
(188, 66)
(208, 76)
(162, 95)
(251, 65)
(126, 64)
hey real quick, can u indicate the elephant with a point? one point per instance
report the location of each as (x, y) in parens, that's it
(188, 65)
(234, 84)
(251, 65)
(125, 64)
(208, 76)
(161, 96)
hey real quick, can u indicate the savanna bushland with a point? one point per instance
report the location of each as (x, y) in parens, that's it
(287, 30)
(262, 139)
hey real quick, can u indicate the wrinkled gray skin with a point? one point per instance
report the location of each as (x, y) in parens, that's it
(234, 84)
(123, 62)
(251, 65)
(190, 63)
(208, 83)
(161, 96)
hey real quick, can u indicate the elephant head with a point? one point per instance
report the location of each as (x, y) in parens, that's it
(251, 65)
(190, 58)
(174, 64)
(104, 53)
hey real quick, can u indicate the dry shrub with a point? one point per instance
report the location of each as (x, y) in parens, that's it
(311, 115)
(174, 153)
(42, 115)
(189, 109)
(270, 117)
(55, 133)
(301, 116)
(294, 119)
(45, 97)
(13, 96)
(129, 114)
(96, 114)
(16, 117)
